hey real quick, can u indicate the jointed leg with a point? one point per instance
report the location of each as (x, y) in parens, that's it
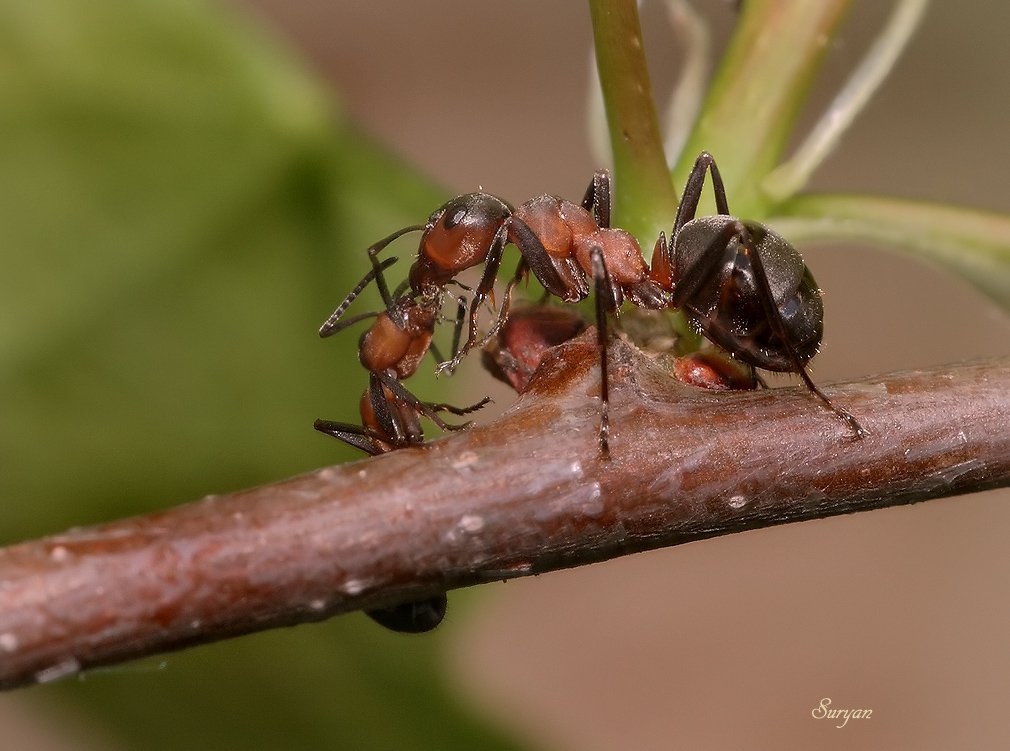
(459, 411)
(486, 287)
(500, 319)
(353, 435)
(424, 408)
(693, 188)
(606, 301)
(539, 261)
(457, 331)
(708, 264)
(399, 429)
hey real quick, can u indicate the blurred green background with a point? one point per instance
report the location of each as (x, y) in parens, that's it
(179, 198)
(184, 197)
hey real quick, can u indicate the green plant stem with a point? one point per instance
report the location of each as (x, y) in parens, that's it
(791, 176)
(973, 244)
(645, 201)
(757, 93)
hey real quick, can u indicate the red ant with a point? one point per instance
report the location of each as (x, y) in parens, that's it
(714, 269)
(391, 350)
(562, 244)
(515, 353)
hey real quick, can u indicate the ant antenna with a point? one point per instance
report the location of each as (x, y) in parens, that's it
(330, 325)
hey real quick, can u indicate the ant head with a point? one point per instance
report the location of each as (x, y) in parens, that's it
(458, 236)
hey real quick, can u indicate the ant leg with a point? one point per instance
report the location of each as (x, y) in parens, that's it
(606, 301)
(708, 263)
(407, 398)
(390, 421)
(457, 329)
(411, 435)
(352, 435)
(331, 326)
(500, 319)
(597, 198)
(693, 188)
(506, 303)
(377, 248)
(775, 321)
(542, 265)
(459, 411)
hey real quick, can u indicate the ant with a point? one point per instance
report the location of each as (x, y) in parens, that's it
(741, 284)
(515, 353)
(391, 350)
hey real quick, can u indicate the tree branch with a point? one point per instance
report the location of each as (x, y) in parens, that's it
(521, 496)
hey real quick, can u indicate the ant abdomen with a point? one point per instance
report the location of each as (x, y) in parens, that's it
(729, 305)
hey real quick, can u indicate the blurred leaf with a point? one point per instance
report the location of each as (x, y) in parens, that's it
(181, 207)
(973, 244)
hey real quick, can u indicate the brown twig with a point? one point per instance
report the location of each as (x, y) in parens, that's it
(523, 495)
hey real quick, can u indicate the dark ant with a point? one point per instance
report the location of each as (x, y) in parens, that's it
(744, 286)
(414, 617)
(391, 350)
(714, 268)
